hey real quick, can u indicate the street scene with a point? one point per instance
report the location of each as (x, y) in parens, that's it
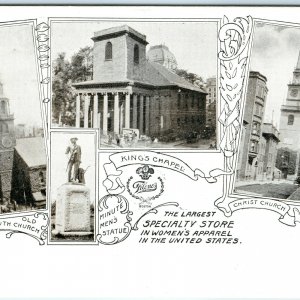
(22, 146)
(136, 84)
(269, 152)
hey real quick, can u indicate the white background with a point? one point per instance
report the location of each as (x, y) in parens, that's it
(265, 264)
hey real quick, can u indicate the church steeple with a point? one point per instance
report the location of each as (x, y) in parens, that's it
(298, 63)
(296, 74)
(1, 90)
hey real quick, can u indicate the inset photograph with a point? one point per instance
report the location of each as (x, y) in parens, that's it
(269, 153)
(142, 84)
(72, 186)
(22, 145)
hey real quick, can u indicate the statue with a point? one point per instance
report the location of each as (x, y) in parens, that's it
(74, 162)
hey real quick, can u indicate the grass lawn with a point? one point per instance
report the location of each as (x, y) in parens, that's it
(281, 191)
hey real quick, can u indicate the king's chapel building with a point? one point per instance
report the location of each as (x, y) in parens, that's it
(132, 91)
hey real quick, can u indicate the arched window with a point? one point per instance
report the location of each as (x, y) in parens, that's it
(136, 54)
(290, 119)
(41, 177)
(108, 51)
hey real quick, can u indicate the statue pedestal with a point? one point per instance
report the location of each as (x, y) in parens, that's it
(73, 210)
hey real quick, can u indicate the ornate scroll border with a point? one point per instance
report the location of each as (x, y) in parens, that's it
(42, 36)
(34, 225)
(235, 39)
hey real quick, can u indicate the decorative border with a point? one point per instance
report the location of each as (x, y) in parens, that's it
(32, 223)
(236, 38)
(42, 36)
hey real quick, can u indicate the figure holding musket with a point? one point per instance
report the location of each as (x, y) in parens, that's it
(74, 161)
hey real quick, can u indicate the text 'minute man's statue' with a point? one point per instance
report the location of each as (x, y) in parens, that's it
(73, 198)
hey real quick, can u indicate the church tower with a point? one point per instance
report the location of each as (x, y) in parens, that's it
(7, 144)
(290, 113)
(119, 54)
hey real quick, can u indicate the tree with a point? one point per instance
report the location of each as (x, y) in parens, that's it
(60, 86)
(191, 77)
(287, 158)
(82, 65)
(65, 73)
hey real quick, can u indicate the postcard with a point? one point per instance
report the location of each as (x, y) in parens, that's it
(150, 152)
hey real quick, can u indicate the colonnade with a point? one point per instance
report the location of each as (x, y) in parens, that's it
(126, 110)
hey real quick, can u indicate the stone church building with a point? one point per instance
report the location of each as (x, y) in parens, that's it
(290, 113)
(131, 91)
(22, 165)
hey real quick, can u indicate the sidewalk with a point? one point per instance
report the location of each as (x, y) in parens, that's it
(253, 182)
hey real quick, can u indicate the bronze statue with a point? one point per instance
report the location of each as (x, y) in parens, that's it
(74, 160)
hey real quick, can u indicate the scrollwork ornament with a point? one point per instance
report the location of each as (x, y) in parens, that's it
(235, 43)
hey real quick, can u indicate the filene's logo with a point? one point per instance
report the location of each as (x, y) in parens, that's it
(147, 189)
(143, 187)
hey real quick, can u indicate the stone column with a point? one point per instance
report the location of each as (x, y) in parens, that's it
(127, 110)
(78, 110)
(121, 116)
(134, 111)
(86, 110)
(141, 112)
(95, 111)
(116, 114)
(105, 109)
(147, 115)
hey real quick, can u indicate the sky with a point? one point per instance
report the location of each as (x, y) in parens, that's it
(18, 73)
(274, 54)
(194, 44)
(59, 160)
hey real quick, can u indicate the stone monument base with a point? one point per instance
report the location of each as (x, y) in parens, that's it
(70, 234)
(72, 216)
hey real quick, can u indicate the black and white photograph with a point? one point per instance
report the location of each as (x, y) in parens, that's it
(72, 183)
(268, 161)
(141, 84)
(22, 145)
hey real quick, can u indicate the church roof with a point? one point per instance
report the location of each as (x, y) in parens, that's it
(155, 75)
(160, 75)
(32, 151)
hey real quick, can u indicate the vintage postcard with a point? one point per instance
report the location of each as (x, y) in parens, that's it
(150, 152)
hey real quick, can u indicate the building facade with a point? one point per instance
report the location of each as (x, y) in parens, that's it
(7, 144)
(269, 143)
(211, 100)
(22, 164)
(162, 55)
(290, 113)
(130, 92)
(256, 97)
(29, 172)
